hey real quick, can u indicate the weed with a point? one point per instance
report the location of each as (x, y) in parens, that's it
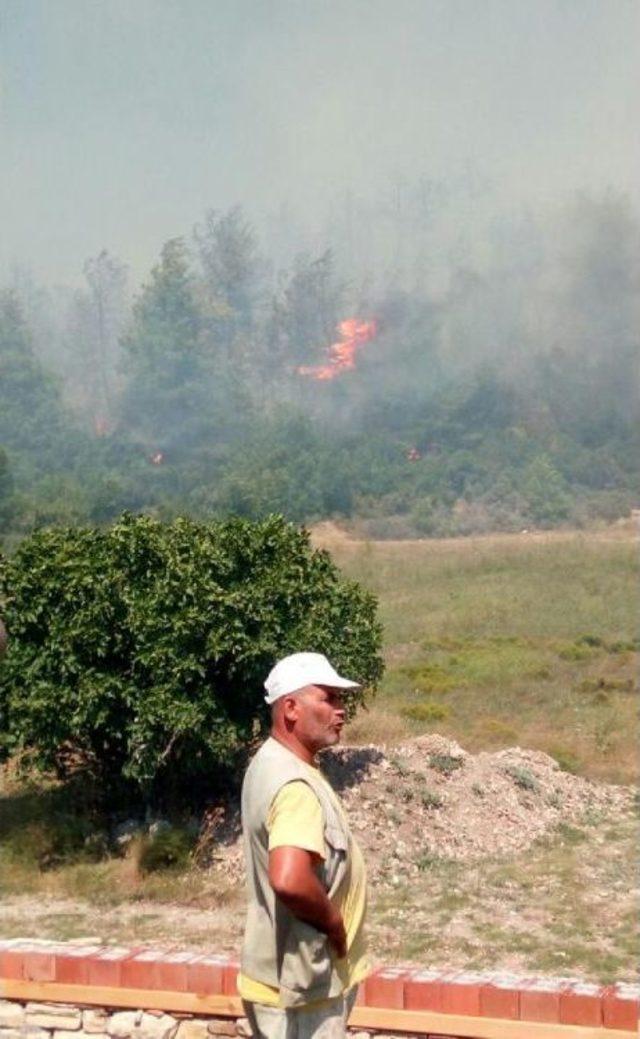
(401, 767)
(478, 790)
(576, 651)
(571, 835)
(554, 800)
(426, 860)
(522, 777)
(430, 799)
(589, 640)
(607, 685)
(567, 760)
(445, 763)
(498, 731)
(623, 646)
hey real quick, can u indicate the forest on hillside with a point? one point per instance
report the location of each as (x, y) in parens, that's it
(422, 374)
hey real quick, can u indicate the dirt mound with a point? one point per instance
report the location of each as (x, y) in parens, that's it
(428, 799)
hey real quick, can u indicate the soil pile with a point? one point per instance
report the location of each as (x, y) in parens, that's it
(429, 799)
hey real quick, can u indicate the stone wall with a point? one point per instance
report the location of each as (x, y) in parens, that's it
(19, 1020)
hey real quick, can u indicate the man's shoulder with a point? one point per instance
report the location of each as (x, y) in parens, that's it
(273, 763)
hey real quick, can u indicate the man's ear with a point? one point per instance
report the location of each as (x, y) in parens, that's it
(290, 708)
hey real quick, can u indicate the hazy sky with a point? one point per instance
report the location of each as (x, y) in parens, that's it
(122, 121)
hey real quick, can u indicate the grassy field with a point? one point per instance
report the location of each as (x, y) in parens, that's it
(493, 641)
(497, 641)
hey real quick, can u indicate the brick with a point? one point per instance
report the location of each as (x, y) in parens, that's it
(11, 959)
(540, 1001)
(173, 971)
(72, 964)
(501, 997)
(581, 1004)
(105, 968)
(360, 996)
(423, 990)
(205, 975)
(230, 978)
(385, 988)
(461, 993)
(141, 970)
(621, 1006)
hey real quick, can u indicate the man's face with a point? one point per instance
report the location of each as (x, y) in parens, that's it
(321, 716)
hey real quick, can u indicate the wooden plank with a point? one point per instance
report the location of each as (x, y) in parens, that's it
(475, 1027)
(139, 999)
(420, 1021)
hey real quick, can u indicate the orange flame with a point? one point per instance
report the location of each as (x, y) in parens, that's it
(342, 354)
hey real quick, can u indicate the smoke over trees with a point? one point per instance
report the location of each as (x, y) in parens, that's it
(499, 391)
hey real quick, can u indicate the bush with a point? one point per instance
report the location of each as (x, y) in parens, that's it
(140, 650)
(167, 849)
(426, 712)
(522, 777)
(447, 764)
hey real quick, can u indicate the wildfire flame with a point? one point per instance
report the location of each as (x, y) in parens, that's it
(342, 354)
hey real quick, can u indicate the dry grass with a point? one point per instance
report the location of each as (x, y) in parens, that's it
(527, 640)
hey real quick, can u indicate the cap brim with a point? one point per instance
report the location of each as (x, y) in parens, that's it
(335, 683)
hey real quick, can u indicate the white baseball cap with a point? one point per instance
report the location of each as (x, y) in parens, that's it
(301, 669)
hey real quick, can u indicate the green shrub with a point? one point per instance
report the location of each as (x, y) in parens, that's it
(522, 777)
(426, 712)
(430, 799)
(140, 650)
(47, 843)
(429, 678)
(566, 758)
(445, 763)
(167, 849)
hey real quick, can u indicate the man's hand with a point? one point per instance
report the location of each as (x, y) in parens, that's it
(295, 882)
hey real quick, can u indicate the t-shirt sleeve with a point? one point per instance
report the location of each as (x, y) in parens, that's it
(295, 819)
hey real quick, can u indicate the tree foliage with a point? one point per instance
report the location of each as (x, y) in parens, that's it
(141, 649)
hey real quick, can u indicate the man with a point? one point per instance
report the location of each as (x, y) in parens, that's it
(304, 950)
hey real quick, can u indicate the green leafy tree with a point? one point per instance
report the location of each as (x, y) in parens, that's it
(232, 272)
(141, 649)
(545, 492)
(306, 313)
(6, 488)
(166, 396)
(33, 422)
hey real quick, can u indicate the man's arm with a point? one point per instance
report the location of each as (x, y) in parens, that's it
(295, 882)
